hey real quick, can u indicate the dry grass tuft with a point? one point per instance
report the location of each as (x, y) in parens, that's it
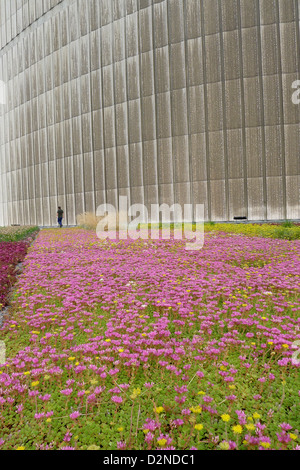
(90, 221)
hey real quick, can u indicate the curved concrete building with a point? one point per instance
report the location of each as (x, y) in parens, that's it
(174, 101)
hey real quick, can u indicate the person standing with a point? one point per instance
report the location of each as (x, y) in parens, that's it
(60, 216)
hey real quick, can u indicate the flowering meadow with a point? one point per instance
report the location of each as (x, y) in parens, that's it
(14, 243)
(286, 230)
(17, 233)
(143, 345)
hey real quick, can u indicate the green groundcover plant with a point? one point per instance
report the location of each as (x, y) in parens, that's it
(16, 233)
(286, 230)
(122, 344)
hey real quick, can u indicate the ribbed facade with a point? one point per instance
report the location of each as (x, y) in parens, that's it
(165, 101)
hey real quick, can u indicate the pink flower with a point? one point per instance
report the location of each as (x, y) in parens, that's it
(91, 397)
(241, 417)
(70, 382)
(20, 408)
(151, 425)
(207, 399)
(121, 445)
(45, 397)
(264, 439)
(68, 436)
(285, 426)
(283, 437)
(177, 422)
(251, 439)
(283, 362)
(149, 385)
(181, 390)
(257, 397)
(66, 392)
(180, 400)
(74, 415)
(116, 399)
(149, 437)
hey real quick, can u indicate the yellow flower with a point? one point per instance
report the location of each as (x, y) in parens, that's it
(237, 429)
(71, 358)
(293, 436)
(120, 429)
(199, 427)
(93, 447)
(224, 445)
(266, 445)
(48, 420)
(107, 340)
(136, 393)
(47, 377)
(196, 409)
(159, 409)
(285, 346)
(162, 442)
(250, 427)
(232, 387)
(223, 368)
(201, 392)
(27, 373)
(21, 448)
(256, 415)
(121, 350)
(35, 384)
(225, 417)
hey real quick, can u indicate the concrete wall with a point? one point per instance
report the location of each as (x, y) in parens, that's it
(164, 101)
